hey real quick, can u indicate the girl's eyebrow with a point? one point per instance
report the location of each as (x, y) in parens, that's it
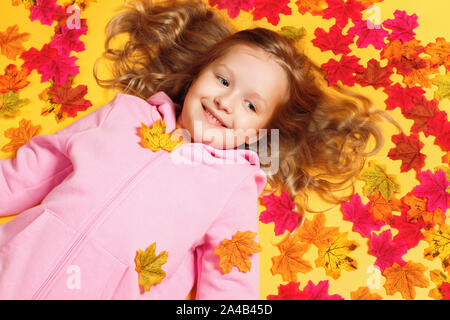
(253, 93)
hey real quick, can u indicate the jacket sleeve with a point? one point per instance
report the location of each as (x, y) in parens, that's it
(239, 214)
(40, 165)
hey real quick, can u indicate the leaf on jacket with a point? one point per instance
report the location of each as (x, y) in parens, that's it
(342, 11)
(402, 26)
(377, 179)
(333, 40)
(10, 103)
(381, 209)
(14, 79)
(20, 136)
(443, 84)
(316, 232)
(335, 256)
(439, 245)
(407, 149)
(157, 139)
(386, 251)
(280, 211)
(433, 188)
(439, 51)
(236, 252)
(148, 266)
(438, 277)
(403, 279)
(11, 42)
(290, 260)
(363, 293)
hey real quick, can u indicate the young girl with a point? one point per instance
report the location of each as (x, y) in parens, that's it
(94, 198)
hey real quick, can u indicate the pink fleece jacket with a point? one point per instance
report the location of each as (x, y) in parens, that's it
(91, 196)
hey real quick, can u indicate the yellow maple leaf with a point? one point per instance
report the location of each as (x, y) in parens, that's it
(148, 266)
(439, 51)
(363, 293)
(420, 76)
(443, 84)
(377, 179)
(335, 256)
(315, 231)
(157, 139)
(236, 252)
(26, 3)
(403, 279)
(439, 245)
(10, 103)
(20, 136)
(290, 261)
(11, 42)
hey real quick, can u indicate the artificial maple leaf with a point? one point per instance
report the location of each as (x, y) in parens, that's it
(316, 232)
(438, 277)
(403, 279)
(368, 35)
(314, 7)
(335, 256)
(236, 252)
(271, 10)
(377, 179)
(148, 266)
(386, 251)
(292, 32)
(445, 289)
(26, 3)
(10, 103)
(157, 139)
(67, 41)
(280, 211)
(394, 50)
(14, 79)
(342, 11)
(83, 4)
(44, 11)
(358, 213)
(51, 107)
(333, 40)
(20, 136)
(443, 84)
(342, 70)
(417, 211)
(404, 98)
(71, 99)
(374, 75)
(407, 149)
(433, 188)
(368, 3)
(233, 6)
(363, 293)
(439, 51)
(402, 26)
(439, 126)
(381, 209)
(320, 291)
(421, 112)
(409, 231)
(11, 42)
(289, 291)
(420, 76)
(446, 169)
(290, 260)
(439, 245)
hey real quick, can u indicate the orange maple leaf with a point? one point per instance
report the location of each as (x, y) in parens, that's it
(395, 50)
(382, 208)
(315, 7)
(315, 231)
(438, 277)
(20, 136)
(439, 51)
(290, 261)
(363, 293)
(14, 79)
(236, 252)
(420, 76)
(11, 42)
(403, 279)
(418, 211)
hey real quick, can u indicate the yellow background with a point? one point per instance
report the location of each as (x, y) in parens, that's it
(433, 23)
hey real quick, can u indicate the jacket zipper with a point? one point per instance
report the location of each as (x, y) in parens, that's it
(84, 233)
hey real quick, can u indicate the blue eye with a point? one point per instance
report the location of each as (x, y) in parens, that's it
(222, 79)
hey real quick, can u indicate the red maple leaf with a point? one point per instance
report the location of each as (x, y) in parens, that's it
(333, 40)
(402, 26)
(420, 112)
(445, 289)
(408, 231)
(386, 251)
(45, 10)
(368, 35)
(402, 97)
(320, 291)
(405, 66)
(279, 210)
(71, 99)
(233, 6)
(35, 59)
(374, 75)
(358, 213)
(343, 70)
(289, 291)
(271, 10)
(407, 149)
(439, 126)
(433, 188)
(342, 11)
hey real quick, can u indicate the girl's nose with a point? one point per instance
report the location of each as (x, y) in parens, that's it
(223, 104)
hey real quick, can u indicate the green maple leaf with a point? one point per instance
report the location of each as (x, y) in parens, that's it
(10, 103)
(378, 180)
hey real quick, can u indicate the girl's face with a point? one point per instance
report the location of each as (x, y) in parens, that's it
(233, 97)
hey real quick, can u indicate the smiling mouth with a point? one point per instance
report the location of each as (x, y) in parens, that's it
(212, 119)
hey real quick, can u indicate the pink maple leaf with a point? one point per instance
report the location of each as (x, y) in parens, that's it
(433, 188)
(386, 251)
(404, 98)
(233, 6)
(445, 289)
(279, 211)
(409, 232)
(320, 291)
(333, 40)
(402, 26)
(343, 70)
(358, 213)
(35, 59)
(368, 35)
(342, 11)
(271, 10)
(439, 126)
(289, 291)
(45, 10)
(67, 41)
